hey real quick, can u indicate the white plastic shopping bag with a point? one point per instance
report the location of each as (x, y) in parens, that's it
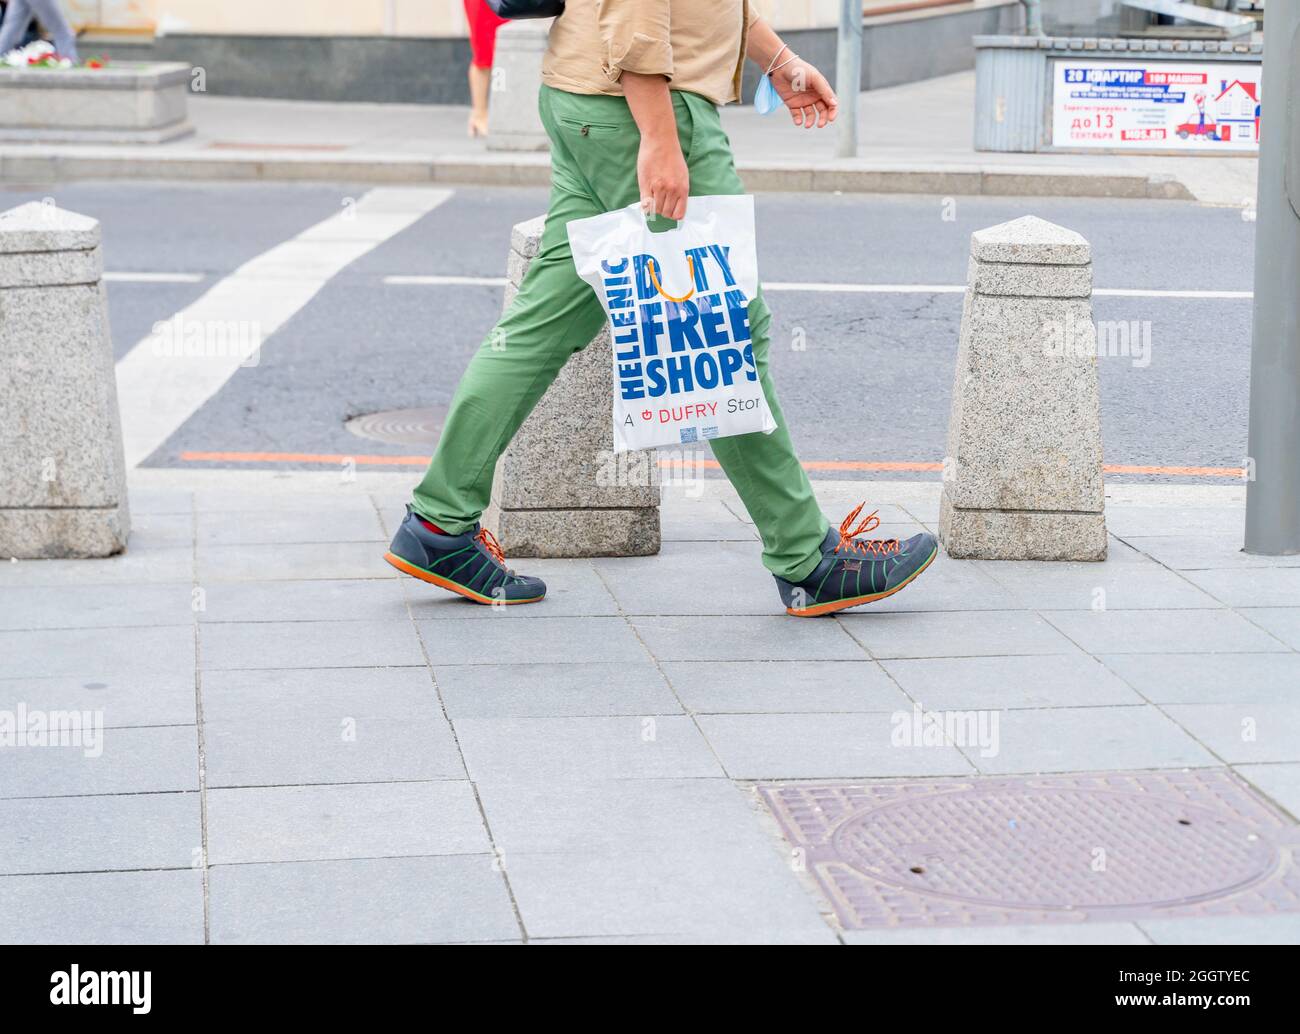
(677, 303)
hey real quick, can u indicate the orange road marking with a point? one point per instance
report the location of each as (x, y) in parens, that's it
(860, 465)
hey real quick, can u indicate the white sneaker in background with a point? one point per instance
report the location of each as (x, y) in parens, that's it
(21, 57)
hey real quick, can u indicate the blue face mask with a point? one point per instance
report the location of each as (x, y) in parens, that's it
(766, 99)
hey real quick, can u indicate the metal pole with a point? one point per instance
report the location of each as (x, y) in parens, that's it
(1273, 494)
(1033, 17)
(848, 77)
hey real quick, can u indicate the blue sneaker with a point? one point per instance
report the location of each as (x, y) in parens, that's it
(854, 571)
(471, 565)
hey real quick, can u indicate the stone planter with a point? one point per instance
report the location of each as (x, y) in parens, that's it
(126, 103)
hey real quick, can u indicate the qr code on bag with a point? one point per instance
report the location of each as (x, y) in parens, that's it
(689, 434)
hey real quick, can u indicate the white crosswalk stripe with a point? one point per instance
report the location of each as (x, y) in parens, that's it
(167, 376)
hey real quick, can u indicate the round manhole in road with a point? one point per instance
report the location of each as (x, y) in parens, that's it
(412, 427)
(1058, 848)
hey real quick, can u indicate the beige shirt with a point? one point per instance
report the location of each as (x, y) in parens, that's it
(698, 44)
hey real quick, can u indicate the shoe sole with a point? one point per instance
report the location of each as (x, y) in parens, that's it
(857, 601)
(406, 567)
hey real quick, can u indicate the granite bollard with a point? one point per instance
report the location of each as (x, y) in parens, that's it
(1023, 473)
(559, 489)
(62, 474)
(513, 121)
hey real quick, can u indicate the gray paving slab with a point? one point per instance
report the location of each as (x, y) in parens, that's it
(713, 937)
(607, 816)
(956, 585)
(135, 566)
(391, 508)
(1279, 782)
(572, 589)
(1064, 680)
(1162, 631)
(511, 639)
(1146, 521)
(623, 747)
(1209, 678)
(951, 634)
(308, 644)
(678, 892)
(164, 907)
(96, 606)
(1118, 551)
(345, 524)
(707, 519)
(161, 530)
(124, 700)
(316, 600)
(1204, 552)
(1055, 933)
(1105, 586)
(746, 638)
(97, 652)
(1277, 929)
(292, 561)
(693, 578)
(813, 746)
(1086, 739)
(459, 898)
(290, 499)
(1256, 587)
(289, 694)
(330, 750)
(108, 761)
(1244, 733)
(555, 690)
(784, 687)
(1282, 622)
(147, 499)
(354, 820)
(91, 834)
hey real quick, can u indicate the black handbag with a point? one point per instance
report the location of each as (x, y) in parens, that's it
(527, 8)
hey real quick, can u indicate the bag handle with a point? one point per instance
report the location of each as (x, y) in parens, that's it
(654, 279)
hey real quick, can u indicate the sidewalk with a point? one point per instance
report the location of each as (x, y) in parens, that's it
(301, 746)
(914, 139)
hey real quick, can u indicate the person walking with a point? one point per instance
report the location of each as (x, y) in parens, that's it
(629, 98)
(483, 25)
(18, 19)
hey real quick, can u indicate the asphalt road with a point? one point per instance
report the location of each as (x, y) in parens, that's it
(872, 384)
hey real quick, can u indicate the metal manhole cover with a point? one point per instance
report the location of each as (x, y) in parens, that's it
(1041, 848)
(419, 427)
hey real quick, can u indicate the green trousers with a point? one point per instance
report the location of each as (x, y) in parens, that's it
(594, 143)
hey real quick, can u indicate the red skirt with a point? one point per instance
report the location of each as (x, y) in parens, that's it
(483, 25)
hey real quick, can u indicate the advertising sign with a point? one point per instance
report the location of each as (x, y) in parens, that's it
(1159, 105)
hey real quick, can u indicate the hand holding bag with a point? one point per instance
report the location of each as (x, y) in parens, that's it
(515, 9)
(678, 308)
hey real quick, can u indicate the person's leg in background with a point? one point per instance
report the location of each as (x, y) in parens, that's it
(18, 16)
(483, 25)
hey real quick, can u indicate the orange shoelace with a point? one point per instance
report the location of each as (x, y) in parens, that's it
(849, 534)
(489, 542)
